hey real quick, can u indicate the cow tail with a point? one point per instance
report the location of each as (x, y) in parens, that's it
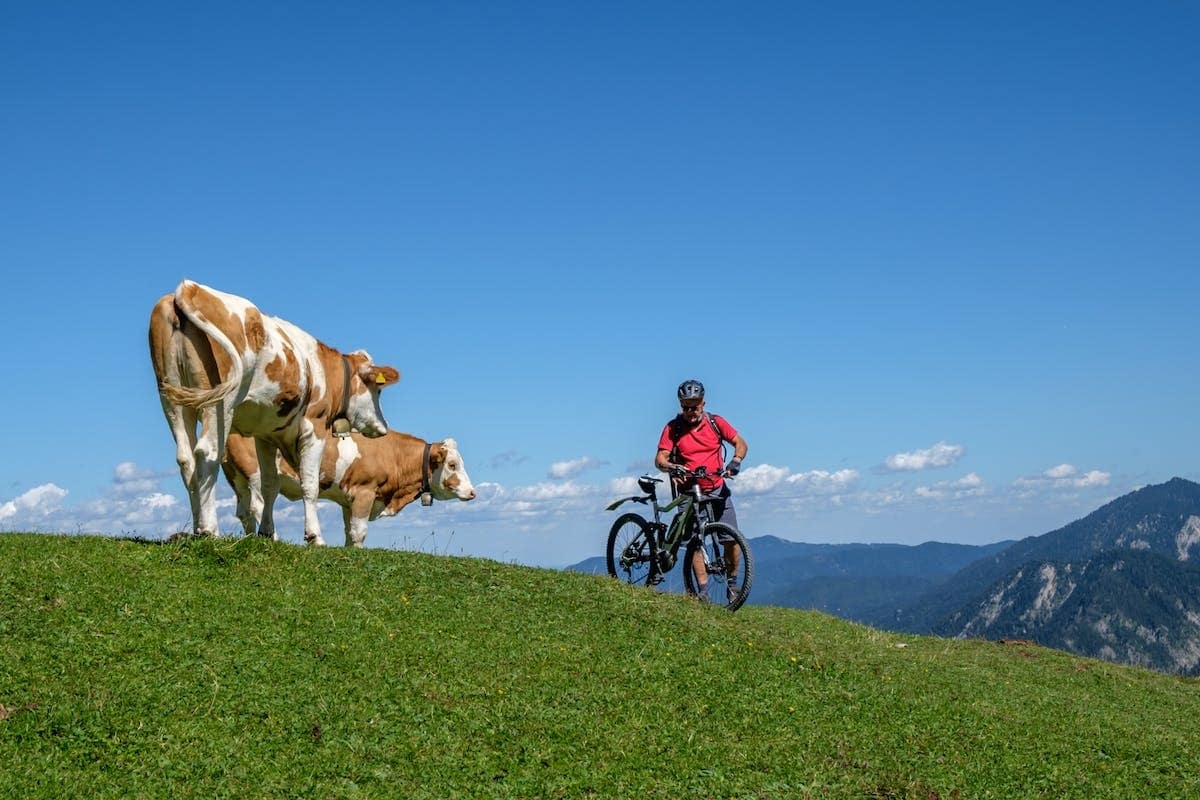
(200, 398)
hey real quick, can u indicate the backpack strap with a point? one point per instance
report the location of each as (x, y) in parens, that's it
(677, 431)
(712, 420)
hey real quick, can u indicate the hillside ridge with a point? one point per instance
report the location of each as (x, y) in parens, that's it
(247, 668)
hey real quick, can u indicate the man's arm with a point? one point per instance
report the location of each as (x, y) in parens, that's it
(740, 448)
(663, 460)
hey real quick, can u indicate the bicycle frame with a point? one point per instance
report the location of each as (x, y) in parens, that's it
(693, 515)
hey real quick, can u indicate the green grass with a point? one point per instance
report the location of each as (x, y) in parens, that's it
(241, 668)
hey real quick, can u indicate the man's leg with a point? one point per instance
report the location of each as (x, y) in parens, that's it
(700, 575)
(723, 511)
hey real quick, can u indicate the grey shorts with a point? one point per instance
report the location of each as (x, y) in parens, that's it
(722, 508)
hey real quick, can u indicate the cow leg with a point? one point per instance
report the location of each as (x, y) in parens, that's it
(356, 517)
(182, 422)
(249, 497)
(311, 448)
(210, 447)
(268, 484)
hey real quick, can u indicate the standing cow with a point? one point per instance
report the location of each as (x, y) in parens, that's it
(221, 362)
(368, 478)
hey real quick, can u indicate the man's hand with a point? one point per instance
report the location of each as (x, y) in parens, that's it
(735, 466)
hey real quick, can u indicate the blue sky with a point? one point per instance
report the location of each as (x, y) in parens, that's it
(955, 238)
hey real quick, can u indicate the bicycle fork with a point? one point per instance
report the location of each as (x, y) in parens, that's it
(716, 565)
(661, 560)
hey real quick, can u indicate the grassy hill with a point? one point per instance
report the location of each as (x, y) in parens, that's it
(241, 668)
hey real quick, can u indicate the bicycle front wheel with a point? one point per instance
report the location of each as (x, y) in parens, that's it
(630, 549)
(727, 561)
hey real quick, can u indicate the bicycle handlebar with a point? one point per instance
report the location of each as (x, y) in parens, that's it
(702, 472)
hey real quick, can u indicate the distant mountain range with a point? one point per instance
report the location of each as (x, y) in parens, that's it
(847, 580)
(1120, 584)
(854, 580)
(1129, 606)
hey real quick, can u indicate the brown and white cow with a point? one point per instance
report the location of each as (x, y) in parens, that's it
(222, 363)
(368, 478)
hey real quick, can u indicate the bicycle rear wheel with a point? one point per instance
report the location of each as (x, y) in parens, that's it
(630, 549)
(730, 564)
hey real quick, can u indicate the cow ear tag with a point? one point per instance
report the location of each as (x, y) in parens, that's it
(379, 378)
(426, 499)
(341, 427)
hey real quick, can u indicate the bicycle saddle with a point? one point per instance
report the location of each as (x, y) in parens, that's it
(647, 482)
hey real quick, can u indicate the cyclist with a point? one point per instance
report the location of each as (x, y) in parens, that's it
(694, 439)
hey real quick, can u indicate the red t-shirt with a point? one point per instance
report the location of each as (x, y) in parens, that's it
(700, 446)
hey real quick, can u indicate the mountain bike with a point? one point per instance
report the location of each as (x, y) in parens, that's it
(643, 552)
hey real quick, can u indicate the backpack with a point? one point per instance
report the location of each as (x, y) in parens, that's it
(677, 431)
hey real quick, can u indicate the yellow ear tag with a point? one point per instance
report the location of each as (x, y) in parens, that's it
(379, 378)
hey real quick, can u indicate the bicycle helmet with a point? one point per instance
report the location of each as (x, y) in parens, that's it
(691, 390)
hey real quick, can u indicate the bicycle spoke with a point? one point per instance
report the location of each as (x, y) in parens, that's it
(629, 550)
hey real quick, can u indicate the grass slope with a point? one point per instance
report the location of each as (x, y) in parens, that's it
(241, 668)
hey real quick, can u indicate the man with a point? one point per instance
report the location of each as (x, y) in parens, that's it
(695, 439)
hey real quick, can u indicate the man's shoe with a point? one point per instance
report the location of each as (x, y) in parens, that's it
(731, 592)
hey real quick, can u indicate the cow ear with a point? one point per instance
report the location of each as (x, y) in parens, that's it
(437, 454)
(373, 375)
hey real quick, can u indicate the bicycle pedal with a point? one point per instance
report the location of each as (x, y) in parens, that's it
(655, 580)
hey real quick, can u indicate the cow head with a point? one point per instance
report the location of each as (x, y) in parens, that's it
(448, 478)
(362, 406)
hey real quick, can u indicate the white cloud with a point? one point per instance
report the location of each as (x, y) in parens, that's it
(821, 482)
(880, 500)
(1093, 478)
(150, 509)
(1063, 476)
(626, 486)
(969, 481)
(37, 503)
(129, 480)
(759, 479)
(940, 455)
(570, 469)
(553, 491)
(970, 485)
